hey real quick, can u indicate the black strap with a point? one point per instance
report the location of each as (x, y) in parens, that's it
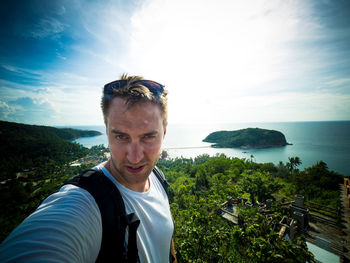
(161, 178)
(133, 223)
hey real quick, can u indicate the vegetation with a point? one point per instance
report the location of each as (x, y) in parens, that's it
(27, 147)
(247, 138)
(318, 184)
(197, 189)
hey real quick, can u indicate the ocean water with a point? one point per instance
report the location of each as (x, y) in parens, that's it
(312, 142)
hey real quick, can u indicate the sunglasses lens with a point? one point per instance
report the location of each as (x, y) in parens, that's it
(154, 87)
(118, 84)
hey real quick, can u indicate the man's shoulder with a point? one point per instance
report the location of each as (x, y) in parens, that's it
(69, 196)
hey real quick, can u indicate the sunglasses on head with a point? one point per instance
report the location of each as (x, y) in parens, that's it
(154, 87)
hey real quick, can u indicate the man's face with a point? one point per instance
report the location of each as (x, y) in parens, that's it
(135, 137)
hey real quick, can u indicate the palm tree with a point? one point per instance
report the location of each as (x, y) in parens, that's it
(293, 163)
(251, 158)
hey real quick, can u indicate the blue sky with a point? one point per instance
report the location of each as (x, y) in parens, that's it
(221, 60)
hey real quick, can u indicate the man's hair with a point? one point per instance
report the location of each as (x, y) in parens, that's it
(134, 92)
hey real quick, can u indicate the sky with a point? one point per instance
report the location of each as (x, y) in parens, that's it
(222, 61)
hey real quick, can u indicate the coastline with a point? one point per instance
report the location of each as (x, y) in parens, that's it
(327, 141)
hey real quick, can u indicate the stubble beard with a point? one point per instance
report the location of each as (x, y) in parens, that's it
(129, 178)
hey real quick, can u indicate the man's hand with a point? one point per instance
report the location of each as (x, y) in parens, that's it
(172, 251)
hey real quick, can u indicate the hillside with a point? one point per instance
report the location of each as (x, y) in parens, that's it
(29, 146)
(247, 138)
(12, 128)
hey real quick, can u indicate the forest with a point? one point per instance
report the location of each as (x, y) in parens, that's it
(198, 187)
(24, 147)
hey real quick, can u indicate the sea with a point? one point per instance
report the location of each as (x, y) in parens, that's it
(312, 142)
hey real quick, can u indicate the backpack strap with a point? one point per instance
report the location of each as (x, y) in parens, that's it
(114, 218)
(161, 178)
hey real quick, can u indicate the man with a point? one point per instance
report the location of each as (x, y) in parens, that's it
(67, 226)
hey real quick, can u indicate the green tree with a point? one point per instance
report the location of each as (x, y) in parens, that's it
(258, 242)
(317, 183)
(293, 163)
(259, 185)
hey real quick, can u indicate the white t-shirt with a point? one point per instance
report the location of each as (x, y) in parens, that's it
(156, 226)
(67, 227)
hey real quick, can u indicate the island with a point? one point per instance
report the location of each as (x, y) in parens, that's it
(247, 139)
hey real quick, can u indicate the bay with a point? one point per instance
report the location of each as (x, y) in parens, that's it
(312, 142)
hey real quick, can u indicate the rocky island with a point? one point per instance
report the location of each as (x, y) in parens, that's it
(247, 139)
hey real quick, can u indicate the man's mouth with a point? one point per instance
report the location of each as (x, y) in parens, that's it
(135, 169)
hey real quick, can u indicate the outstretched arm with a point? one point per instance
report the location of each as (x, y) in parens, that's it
(66, 227)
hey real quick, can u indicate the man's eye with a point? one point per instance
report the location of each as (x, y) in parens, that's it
(121, 137)
(149, 137)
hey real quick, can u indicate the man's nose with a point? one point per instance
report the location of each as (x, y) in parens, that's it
(135, 153)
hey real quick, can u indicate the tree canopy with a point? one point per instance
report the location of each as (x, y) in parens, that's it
(25, 147)
(199, 186)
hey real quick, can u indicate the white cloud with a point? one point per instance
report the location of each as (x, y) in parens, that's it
(224, 60)
(26, 110)
(45, 27)
(79, 106)
(339, 82)
(203, 50)
(24, 72)
(5, 110)
(62, 98)
(107, 24)
(211, 38)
